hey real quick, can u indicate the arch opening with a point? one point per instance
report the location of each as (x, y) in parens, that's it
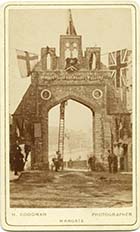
(78, 133)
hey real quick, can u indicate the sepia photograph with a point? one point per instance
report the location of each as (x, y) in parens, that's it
(70, 142)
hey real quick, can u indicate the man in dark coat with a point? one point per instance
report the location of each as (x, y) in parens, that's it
(115, 163)
(18, 158)
(19, 163)
(110, 161)
(91, 162)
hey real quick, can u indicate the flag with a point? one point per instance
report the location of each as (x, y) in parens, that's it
(118, 62)
(26, 62)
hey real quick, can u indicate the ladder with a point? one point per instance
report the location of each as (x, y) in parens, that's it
(61, 129)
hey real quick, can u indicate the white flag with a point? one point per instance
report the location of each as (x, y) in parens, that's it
(26, 62)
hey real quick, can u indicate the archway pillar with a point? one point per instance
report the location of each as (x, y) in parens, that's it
(107, 139)
(98, 137)
(40, 153)
(44, 125)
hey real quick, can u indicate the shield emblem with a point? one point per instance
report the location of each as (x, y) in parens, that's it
(72, 64)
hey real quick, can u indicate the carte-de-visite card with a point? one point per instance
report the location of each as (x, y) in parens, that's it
(69, 116)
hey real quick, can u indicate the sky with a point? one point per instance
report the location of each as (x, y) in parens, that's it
(32, 29)
(72, 109)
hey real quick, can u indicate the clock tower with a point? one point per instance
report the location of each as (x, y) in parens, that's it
(70, 45)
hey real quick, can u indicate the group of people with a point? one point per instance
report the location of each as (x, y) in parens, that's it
(112, 162)
(17, 159)
(57, 162)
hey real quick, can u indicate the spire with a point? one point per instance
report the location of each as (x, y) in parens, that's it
(71, 29)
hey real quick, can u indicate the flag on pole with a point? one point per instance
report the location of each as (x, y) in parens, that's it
(26, 62)
(118, 62)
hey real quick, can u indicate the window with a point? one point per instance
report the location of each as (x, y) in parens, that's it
(67, 53)
(48, 61)
(94, 61)
(75, 53)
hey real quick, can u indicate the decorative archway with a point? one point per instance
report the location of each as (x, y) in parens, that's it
(53, 81)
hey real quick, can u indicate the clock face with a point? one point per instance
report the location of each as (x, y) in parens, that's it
(97, 93)
(45, 94)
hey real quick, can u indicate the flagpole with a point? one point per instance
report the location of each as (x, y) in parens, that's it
(37, 100)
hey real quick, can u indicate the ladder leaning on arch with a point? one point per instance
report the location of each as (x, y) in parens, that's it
(61, 128)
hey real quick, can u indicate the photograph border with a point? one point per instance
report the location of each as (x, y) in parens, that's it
(136, 104)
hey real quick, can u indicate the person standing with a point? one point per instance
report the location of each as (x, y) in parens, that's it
(117, 153)
(110, 161)
(121, 154)
(19, 163)
(18, 158)
(93, 162)
(56, 164)
(58, 154)
(59, 160)
(115, 163)
(90, 162)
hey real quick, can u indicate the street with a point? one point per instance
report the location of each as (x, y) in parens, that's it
(71, 189)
